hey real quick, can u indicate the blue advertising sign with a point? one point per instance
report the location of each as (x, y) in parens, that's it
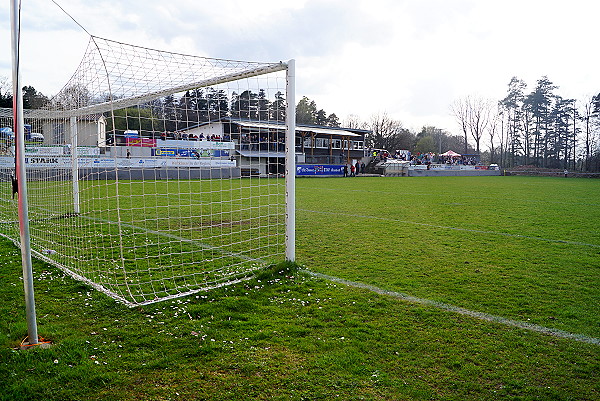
(172, 152)
(319, 169)
(195, 153)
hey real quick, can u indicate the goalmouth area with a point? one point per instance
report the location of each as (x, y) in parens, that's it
(125, 197)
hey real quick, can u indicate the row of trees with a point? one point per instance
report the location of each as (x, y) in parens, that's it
(172, 114)
(385, 132)
(390, 134)
(307, 113)
(32, 99)
(539, 128)
(203, 105)
(198, 106)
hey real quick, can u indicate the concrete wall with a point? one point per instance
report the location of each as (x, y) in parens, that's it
(453, 173)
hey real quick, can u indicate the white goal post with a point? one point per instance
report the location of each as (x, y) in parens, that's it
(159, 174)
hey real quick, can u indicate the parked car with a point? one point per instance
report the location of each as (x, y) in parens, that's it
(6, 133)
(36, 137)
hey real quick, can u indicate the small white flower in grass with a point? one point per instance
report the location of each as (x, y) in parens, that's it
(56, 361)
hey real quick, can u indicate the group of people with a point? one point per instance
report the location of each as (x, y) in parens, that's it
(354, 169)
(422, 158)
(467, 161)
(201, 137)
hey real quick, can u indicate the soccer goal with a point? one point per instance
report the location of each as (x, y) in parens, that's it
(152, 174)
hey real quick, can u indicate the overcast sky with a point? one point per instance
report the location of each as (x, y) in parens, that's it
(408, 58)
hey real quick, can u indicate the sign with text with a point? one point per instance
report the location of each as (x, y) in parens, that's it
(195, 153)
(319, 169)
(143, 142)
(119, 162)
(188, 144)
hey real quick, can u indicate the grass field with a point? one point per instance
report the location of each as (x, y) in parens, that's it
(143, 241)
(523, 252)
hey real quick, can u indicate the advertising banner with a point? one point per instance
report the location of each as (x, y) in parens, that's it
(195, 153)
(45, 150)
(170, 152)
(319, 169)
(188, 144)
(120, 162)
(143, 142)
(59, 150)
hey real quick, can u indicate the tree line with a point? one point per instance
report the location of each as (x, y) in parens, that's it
(538, 127)
(385, 132)
(32, 99)
(174, 113)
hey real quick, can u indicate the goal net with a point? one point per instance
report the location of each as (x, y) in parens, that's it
(153, 175)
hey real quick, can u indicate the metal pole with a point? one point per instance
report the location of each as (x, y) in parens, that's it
(19, 122)
(290, 163)
(74, 165)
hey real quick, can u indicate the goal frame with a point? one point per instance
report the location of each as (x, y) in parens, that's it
(72, 115)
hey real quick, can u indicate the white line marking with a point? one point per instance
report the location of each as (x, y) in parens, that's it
(451, 308)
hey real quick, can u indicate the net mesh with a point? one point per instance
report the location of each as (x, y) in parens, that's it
(156, 174)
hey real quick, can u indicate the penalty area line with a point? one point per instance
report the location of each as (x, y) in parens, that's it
(466, 312)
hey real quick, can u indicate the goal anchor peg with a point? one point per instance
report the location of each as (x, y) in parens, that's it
(42, 343)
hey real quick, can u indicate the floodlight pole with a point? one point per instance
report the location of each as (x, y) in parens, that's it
(19, 125)
(290, 163)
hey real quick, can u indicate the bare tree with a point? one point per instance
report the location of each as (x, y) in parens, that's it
(387, 133)
(479, 110)
(587, 114)
(473, 115)
(492, 130)
(74, 96)
(5, 92)
(353, 121)
(460, 110)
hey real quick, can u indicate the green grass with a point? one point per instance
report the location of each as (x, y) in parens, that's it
(146, 240)
(519, 248)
